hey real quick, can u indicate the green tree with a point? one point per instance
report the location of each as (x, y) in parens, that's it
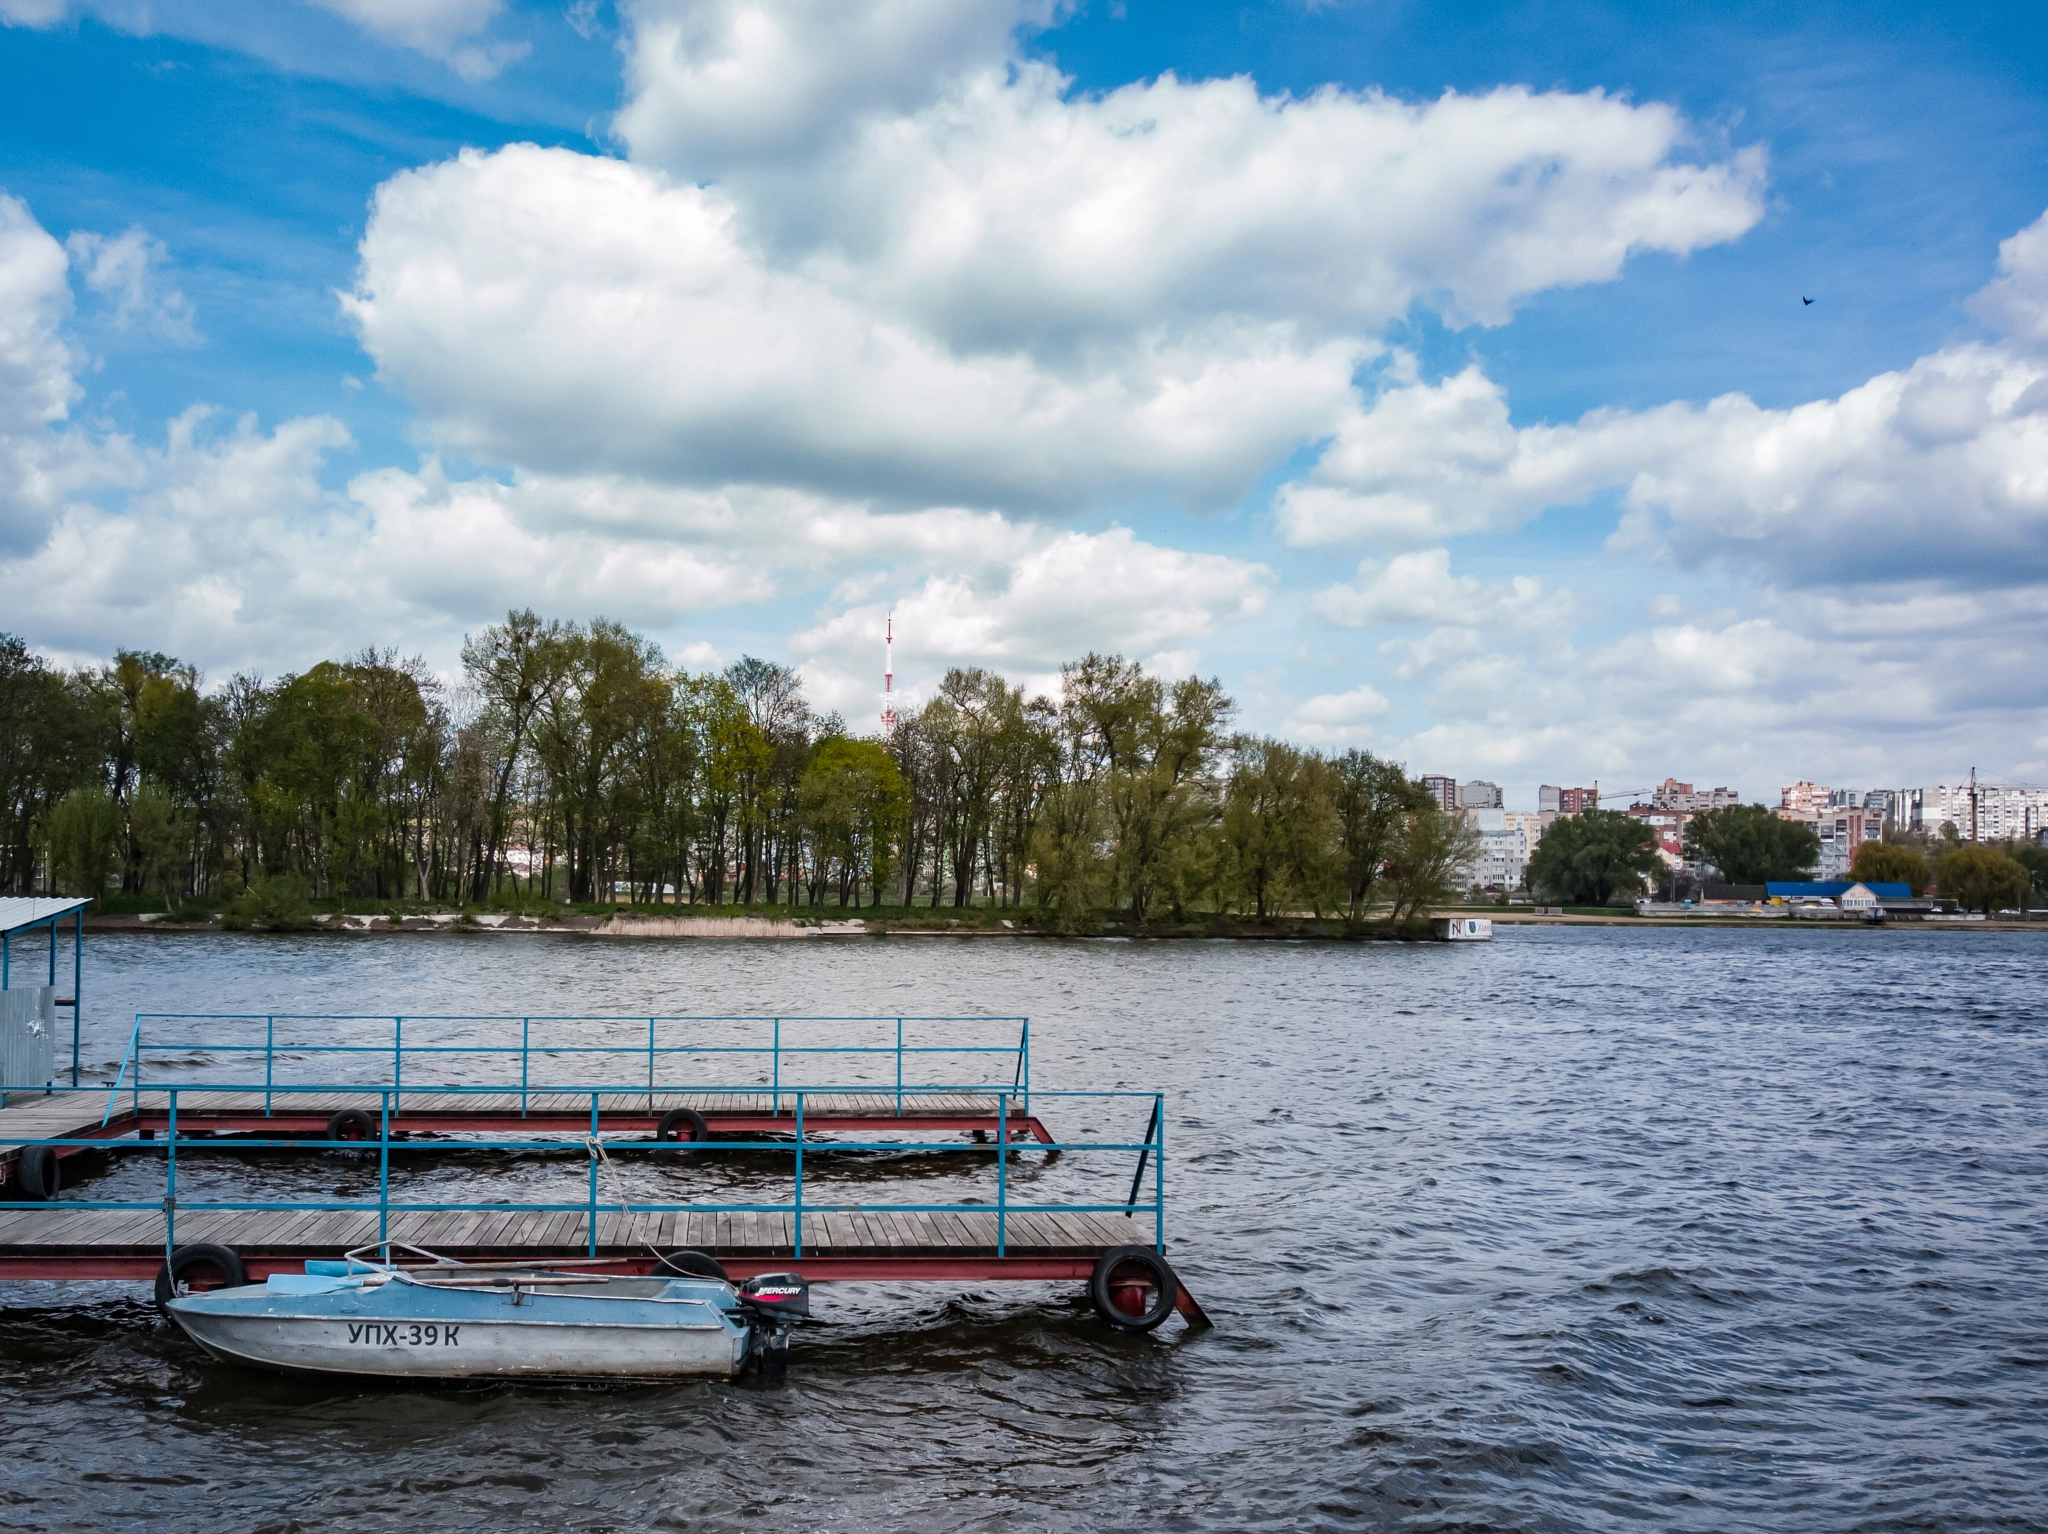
(1372, 800)
(1069, 860)
(852, 799)
(1584, 858)
(1149, 748)
(83, 837)
(1426, 863)
(1752, 844)
(1981, 879)
(1277, 825)
(2034, 859)
(47, 747)
(1890, 863)
(515, 667)
(163, 831)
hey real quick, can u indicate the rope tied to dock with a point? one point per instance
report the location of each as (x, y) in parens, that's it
(596, 1146)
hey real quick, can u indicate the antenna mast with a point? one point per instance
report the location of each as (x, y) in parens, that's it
(889, 675)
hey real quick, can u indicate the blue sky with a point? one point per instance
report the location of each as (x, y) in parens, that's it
(1429, 548)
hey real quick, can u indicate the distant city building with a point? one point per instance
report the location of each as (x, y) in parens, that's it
(1479, 795)
(1442, 789)
(1669, 824)
(1803, 801)
(1674, 795)
(1567, 801)
(1979, 813)
(1506, 839)
(1842, 830)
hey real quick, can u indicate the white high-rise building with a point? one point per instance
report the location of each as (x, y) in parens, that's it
(2000, 813)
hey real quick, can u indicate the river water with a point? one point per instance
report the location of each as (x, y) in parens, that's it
(1583, 1229)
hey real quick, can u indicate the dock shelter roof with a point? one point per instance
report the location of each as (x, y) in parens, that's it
(1832, 889)
(20, 911)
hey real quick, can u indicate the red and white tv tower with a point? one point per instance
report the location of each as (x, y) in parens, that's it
(889, 675)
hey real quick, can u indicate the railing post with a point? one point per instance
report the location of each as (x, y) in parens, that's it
(525, 1048)
(397, 1052)
(650, 1065)
(1159, 1180)
(1024, 1065)
(778, 1073)
(1152, 1129)
(1002, 1170)
(592, 1152)
(384, 1170)
(77, 981)
(799, 1177)
(171, 1182)
(899, 1067)
(269, 1054)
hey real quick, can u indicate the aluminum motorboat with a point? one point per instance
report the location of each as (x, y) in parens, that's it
(455, 1321)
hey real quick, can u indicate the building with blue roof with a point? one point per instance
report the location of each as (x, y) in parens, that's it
(1834, 889)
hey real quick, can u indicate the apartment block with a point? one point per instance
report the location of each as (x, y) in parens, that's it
(1981, 812)
(1803, 801)
(1442, 789)
(1479, 795)
(1566, 801)
(1684, 798)
(1843, 829)
(1507, 838)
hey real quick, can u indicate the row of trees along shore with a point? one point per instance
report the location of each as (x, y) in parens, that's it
(1585, 859)
(573, 762)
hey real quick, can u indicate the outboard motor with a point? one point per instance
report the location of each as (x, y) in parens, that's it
(777, 1295)
(776, 1302)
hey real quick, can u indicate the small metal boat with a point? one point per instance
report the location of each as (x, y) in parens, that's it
(450, 1320)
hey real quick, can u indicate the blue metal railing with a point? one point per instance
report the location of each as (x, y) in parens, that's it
(1151, 1151)
(373, 1065)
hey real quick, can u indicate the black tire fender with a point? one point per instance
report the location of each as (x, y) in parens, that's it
(692, 1265)
(37, 1176)
(682, 1124)
(351, 1124)
(1113, 1271)
(199, 1266)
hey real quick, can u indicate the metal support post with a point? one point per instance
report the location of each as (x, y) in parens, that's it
(525, 1050)
(591, 1151)
(1002, 1171)
(650, 1065)
(899, 1067)
(1138, 1179)
(1159, 1180)
(778, 1071)
(171, 1181)
(1024, 1064)
(384, 1169)
(397, 1052)
(77, 981)
(269, 1056)
(799, 1177)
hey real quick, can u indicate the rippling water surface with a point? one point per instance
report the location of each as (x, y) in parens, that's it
(1585, 1229)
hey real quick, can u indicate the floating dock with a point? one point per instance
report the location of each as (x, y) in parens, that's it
(182, 1119)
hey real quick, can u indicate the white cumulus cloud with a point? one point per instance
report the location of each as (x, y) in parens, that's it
(575, 314)
(127, 270)
(1337, 718)
(1935, 471)
(1419, 588)
(448, 30)
(1060, 596)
